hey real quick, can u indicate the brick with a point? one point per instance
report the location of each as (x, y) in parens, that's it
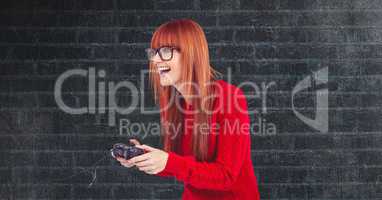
(259, 5)
(359, 191)
(21, 191)
(370, 83)
(174, 5)
(10, 36)
(232, 52)
(296, 52)
(15, 6)
(52, 52)
(28, 19)
(25, 85)
(338, 84)
(135, 36)
(6, 175)
(7, 190)
(119, 174)
(287, 83)
(52, 175)
(132, 192)
(370, 174)
(146, 4)
(96, 36)
(94, 192)
(41, 191)
(370, 67)
(370, 100)
(94, 5)
(344, 120)
(18, 101)
(323, 158)
(156, 18)
(58, 68)
(296, 5)
(120, 52)
(92, 19)
(53, 191)
(54, 159)
(250, 19)
(344, 69)
(266, 51)
(219, 36)
(366, 4)
(273, 175)
(296, 35)
(88, 159)
(297, 68)
(256, 35)
(25, 158)
(219, 5)
(20, 52)
(55, 36)
(173, 192)
(7, 69)
(369, 120)
(259, 68)
(366, 18)
(40, 5)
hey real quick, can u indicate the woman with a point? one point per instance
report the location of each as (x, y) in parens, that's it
(213, 162)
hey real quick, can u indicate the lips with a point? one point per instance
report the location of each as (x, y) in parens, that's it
(164, 69)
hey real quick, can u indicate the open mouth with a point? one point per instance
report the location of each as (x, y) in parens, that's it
(164, 69)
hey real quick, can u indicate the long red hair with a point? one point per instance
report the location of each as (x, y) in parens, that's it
(196, 69)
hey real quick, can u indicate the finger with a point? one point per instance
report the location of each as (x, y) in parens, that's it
(121, 159)
(144, 163)
(152, 171)
(147, 168)
(155, 171)
(140, 158)
(126, 162)
(134, 141)
(127, 165)
(146, 147)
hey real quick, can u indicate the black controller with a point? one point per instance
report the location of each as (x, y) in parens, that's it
(125, 151)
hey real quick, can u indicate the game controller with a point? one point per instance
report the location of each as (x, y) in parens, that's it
(125, 151)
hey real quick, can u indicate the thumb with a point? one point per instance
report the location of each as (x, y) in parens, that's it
(134, 141)
(146, 147)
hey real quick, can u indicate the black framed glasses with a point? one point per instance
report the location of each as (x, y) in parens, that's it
(165, 52)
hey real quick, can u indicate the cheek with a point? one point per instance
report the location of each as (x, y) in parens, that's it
(176, 68)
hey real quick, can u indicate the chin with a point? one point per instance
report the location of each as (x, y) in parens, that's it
(165, 83)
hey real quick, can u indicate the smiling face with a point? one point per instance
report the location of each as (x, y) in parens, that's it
(169, 71)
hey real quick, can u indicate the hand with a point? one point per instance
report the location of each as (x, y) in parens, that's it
(152, 162)
(125, 162)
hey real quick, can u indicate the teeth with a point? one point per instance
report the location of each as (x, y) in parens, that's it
(162, 68)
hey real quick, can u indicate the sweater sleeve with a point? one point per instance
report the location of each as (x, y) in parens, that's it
(163, 174)
(232, 146)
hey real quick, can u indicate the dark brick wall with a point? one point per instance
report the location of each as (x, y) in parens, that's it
(49, 154)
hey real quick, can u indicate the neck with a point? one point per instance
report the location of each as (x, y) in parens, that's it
(183, 92)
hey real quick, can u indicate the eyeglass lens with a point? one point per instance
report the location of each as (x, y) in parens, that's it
(165, 53)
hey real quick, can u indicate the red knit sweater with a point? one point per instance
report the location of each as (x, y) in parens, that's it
(230, 174)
